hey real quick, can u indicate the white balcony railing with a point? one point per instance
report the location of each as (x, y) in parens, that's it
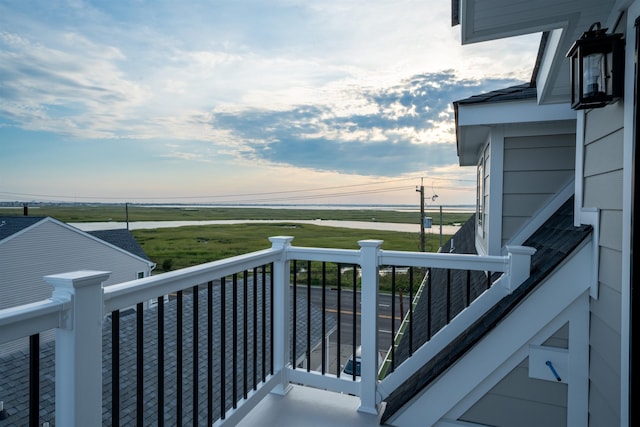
(79, 304)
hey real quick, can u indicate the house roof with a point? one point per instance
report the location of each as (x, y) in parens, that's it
(514, 107)
(120, 239)
(15, 367)
(10, 225)
(521, 91)
(554, 241)
(123, 239)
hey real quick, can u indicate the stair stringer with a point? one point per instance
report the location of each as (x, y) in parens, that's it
(562, 297)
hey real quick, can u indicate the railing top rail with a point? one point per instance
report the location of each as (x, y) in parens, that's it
(345, 256)
(445, 260)
(28, 319)
(130, 293)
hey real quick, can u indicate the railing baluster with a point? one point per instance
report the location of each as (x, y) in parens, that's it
(468, 296)
(410, 311)
(195, 375)
(160, 361)
(294, 331)
(245, 335)
(448, 297)
(271, 338)
(223, 346)
(308, 316)
(34, 380)
(209, 353)
(339, 315)
(264, 326)
(115, 368)
(235, 340)
(393, 317)
(179, 358)
(488, 279)
(255, 327)
(140, 363)
(354, 318)
(429, 304)
(324, 317)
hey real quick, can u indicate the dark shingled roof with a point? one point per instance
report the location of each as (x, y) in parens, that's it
(15, 367)
(10, 225)
(554, 242)
(123, 239)
(521, 91)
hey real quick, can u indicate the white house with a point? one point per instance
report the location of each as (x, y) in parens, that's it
(34, 247)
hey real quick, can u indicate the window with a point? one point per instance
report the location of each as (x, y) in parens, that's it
(482, 194)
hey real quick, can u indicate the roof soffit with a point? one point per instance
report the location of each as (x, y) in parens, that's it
(495, 19)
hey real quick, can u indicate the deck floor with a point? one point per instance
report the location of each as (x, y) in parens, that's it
(305, 406)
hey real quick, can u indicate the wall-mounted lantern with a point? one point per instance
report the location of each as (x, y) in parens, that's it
(597, 68)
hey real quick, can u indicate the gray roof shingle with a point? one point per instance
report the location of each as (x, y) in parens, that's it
(123, 239)
(10, 225)
(521, 91)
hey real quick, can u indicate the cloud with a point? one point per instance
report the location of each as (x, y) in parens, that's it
(401, 129)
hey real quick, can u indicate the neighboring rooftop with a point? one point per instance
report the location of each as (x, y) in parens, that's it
(10, 225)
(121, 238)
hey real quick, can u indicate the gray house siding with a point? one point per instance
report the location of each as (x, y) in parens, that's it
(602, 189)
(523, 401)
(535, 169)
(52, 248)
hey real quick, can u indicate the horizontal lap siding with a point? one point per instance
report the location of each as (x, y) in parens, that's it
(535, 169)
(523, 401)
(50, 248)
(602, 189)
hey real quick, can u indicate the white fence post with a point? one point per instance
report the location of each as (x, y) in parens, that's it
(79, 348)
(519, 265)
(369, 250)
(281, 308)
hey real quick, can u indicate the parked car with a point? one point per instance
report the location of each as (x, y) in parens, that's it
(354, 363)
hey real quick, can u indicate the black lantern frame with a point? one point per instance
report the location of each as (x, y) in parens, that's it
(597, 68)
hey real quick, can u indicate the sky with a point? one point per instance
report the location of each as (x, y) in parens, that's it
(240, 101)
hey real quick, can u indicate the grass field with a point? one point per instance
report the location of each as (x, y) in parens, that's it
(174, 248)
(186, 246)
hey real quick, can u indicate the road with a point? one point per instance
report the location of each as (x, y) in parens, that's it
(347, 318)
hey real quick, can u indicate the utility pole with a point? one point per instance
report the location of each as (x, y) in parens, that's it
(421, 191)
(440, 226)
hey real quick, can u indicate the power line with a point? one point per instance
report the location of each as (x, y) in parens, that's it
(261, 195)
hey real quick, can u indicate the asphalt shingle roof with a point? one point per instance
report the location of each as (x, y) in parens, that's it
(554, 241)
(10, 225)
(123, 239)
(521, 91)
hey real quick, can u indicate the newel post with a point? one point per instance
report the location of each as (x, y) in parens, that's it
(519, 265)
(78, 351)
(369, 251)
(281, 309)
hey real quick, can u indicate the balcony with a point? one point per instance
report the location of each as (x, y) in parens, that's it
(243, 339)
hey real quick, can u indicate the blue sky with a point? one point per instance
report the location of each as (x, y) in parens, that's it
(279, 101)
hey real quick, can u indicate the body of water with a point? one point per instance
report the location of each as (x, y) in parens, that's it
(362, 225)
